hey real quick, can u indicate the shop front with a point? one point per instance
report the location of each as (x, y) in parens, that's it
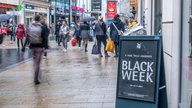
(76, 13)
(33, 8)
(186, 58)
(60, 10)
(6, 8)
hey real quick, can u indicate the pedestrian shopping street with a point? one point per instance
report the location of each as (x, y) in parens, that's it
(72, 79)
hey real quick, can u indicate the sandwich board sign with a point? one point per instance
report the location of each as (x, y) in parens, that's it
(140, 73)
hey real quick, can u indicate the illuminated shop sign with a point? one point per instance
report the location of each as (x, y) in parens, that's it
(6, 6)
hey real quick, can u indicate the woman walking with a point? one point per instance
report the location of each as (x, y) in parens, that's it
(20, 33)
(100, 32)
(84, 33)
(57, 29)
(64, 33)
(77, 34)
(116, 24)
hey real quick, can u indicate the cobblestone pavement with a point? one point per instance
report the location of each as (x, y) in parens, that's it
(72, 79)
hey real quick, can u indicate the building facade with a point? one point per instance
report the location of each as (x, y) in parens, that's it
(9, 7)
(32, 8)
(174, 19)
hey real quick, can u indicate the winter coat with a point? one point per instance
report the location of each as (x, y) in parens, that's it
(113, 32)
(46, 29)
(20, 32)
(57, 28)
(100, 28)
(64, 31)
(77, 32)
(84, 30)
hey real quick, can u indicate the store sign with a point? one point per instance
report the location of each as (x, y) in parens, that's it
(82, 9)
(19, 7)
(16, 13)
(6, 6)
(138, 70)
(27, 6)
(95, 5)
(111, 9)
(74, 7)
(141, 76)
(77, 8)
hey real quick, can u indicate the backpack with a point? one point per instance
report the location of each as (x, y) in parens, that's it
(34, 34)
(10, 28)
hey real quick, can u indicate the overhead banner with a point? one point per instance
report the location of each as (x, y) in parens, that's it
(111, 9)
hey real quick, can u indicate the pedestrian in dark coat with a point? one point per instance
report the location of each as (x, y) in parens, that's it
(58, 37)
(77, 34)
(47, 32)
(84, 33)
(114, 32)
(19, 34)
(38, 48)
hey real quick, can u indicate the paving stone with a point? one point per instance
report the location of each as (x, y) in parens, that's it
(72, 79)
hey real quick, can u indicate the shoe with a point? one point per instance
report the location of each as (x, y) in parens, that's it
(100, 55)
(116, 56)
(37, 82)
(23, 49)
(65, 50)
(190, 56)
(107, 55)
(44, 57)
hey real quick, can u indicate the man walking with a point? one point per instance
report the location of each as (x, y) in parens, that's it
(46, 33)
(38, 40)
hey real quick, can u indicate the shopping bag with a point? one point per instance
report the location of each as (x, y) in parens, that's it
(110, 46)
(95, 49)
(73, 41)
(91, 39)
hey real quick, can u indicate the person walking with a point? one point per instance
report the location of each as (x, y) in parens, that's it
(77, 34)
(64, 33)
(52, 30)
(20, 34)
(42, 21)
(57, 38)
(116, 26)
(84, 33)
(11, 31)
(100, 32)
(36, 35)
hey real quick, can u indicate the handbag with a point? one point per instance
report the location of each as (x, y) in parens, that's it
(119, 31)
(95, 49)
(110, 46)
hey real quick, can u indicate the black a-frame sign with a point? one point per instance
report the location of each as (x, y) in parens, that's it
(141, 76)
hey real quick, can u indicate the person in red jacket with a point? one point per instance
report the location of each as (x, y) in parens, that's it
(20, 33)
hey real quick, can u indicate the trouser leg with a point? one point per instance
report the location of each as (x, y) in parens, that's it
(37, 52)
